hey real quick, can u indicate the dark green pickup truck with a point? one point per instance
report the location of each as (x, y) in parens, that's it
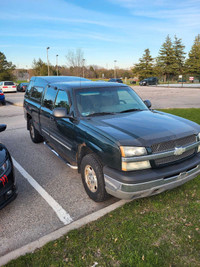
(120, 146)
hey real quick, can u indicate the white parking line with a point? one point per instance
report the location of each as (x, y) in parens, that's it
(61, 213)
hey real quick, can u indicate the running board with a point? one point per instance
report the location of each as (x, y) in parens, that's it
(65, 161)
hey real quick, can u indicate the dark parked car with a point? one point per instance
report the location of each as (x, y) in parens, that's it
(2, 98)
(149, 81)
(115, 80)
(8, 189)
(21, 87)
(118, 144)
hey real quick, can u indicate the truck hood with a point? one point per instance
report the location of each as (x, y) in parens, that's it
(142, 128)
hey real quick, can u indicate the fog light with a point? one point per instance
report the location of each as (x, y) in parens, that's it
(198, 149)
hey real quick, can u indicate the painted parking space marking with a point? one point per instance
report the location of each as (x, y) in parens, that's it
(64, 217)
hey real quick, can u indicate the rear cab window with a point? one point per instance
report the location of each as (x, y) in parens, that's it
(36, 93)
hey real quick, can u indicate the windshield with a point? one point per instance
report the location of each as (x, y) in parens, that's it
(97, 101)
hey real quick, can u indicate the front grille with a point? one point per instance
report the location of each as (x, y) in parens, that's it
(170, 159)
(170, 145)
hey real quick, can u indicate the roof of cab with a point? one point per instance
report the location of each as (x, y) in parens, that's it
(85, 84)
(55, 79)
(73, 82)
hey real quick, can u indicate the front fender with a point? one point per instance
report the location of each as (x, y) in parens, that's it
(107, 151)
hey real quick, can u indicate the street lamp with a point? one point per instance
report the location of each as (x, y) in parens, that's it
(83, 67)
(57, 64)
(115, 68)
(48, 60)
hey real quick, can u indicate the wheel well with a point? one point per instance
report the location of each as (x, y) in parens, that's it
(83, 150)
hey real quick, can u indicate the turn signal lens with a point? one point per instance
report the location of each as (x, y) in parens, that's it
(134, 166)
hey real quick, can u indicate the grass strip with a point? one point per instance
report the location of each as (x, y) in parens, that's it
(162, 230)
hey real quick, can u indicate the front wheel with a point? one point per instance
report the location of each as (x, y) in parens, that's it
(92, 178)
(34, 134)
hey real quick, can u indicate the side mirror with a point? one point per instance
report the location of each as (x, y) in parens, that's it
(147, 103)
(60, 113)
(2, 127)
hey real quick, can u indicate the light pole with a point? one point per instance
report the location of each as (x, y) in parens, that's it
(57, 64)
(115, 68)
(48, 60)
(83, 67)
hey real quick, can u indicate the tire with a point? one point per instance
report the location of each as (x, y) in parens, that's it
(34, 134)
(93, 179)
(4, 103)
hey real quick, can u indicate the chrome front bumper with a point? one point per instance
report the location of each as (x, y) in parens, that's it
(140, 190)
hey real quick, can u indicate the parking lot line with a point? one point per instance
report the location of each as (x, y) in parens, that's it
(61, 213)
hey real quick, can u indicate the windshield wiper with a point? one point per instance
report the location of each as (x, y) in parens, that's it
(129, 110)
(100, 114)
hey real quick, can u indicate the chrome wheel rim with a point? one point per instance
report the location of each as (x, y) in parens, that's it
(91, 179)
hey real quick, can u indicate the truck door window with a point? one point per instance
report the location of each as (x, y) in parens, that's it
(62, 100)
(49, 97)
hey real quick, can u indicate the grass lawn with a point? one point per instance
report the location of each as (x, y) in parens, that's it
(162, 230)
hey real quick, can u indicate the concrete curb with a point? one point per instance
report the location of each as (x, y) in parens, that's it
(31, 247)
(14, 104)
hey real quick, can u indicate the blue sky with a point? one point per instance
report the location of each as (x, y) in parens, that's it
(106, 30)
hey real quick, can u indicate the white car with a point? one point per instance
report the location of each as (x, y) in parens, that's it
(8, 86)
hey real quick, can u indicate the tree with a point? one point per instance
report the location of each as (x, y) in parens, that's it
(144, 68)
(167, 59)
(93, 72)
(193, 62)
(6, 68)
(41, 69)
(179, 54)
(75, 60)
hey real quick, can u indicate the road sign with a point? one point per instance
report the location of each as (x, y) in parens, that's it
(191, 78)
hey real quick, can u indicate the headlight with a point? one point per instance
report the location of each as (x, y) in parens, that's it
(134, 166)
(132, 151)
(4, 167)
(128, 152)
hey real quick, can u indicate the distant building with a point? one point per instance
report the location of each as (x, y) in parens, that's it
(22, 74)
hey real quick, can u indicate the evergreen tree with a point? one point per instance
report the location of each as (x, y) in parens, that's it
(193, 62)
(179, 54)
(144, 68)
(167, 59)
(41, 69)
(6, 68)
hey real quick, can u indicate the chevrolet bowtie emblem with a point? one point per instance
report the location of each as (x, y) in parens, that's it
(179, 151)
